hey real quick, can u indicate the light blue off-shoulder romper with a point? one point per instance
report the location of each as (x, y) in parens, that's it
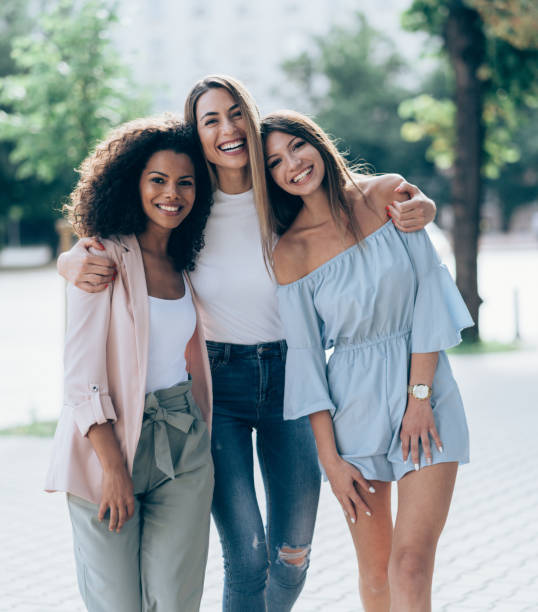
(375, 303)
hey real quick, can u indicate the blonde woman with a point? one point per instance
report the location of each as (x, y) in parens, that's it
(265, 568)
(386, 407)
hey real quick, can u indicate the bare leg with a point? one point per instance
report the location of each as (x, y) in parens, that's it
(372, 539)
(423, 502)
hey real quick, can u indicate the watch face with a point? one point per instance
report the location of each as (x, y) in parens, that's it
(420, 391)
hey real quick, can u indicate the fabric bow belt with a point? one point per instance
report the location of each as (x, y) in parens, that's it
(158, 415)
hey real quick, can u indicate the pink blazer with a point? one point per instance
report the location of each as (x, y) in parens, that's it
(105, 365)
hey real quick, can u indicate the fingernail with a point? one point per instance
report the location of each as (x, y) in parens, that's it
(368, 513)
(428, 460)
(371, 489)
(417, 467)
(106, 286)
(440, 449)
(352, 520)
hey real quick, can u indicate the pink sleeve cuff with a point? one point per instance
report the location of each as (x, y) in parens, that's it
(95, 410)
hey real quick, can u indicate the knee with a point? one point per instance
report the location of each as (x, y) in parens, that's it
(290, 566)
(247, 566)
(410, 568)
(297, 557)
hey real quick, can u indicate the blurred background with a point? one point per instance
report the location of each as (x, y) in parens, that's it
(445, 92)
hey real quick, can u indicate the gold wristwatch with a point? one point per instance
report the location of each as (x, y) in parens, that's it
(419, 391)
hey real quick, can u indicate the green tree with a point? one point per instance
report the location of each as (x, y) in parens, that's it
(493, 56)
(353, 82)
(68, 88)
(14, 22)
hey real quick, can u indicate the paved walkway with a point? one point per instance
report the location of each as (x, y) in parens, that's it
(488, 553)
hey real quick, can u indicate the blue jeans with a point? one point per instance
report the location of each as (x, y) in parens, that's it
(261, 568)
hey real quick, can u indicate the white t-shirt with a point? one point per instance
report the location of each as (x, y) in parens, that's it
(236, 294)
(171, 326)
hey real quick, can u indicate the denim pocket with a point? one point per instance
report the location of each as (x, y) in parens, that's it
(215, 362)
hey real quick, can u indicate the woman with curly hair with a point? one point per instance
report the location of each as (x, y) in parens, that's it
(132, 446)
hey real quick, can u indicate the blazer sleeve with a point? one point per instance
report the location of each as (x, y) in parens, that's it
(306, 389)
(85, 358)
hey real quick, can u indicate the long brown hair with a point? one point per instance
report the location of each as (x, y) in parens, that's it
(251, 115)
(284, 207)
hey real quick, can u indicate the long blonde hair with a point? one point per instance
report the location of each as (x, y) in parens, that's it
(251, 115)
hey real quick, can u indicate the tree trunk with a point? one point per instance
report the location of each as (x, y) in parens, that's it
(465, 43)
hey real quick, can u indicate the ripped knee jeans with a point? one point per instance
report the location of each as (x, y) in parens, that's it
(265, 567)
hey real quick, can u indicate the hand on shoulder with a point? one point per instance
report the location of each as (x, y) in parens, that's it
(90, 265)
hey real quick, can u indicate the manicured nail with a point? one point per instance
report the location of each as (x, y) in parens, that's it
(106, 286)
(417, 467)
(368, 513)
(352, 520)
(440, 449)
(429, 460)
(371, 489)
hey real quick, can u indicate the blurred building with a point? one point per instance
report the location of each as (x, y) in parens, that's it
(172, 43)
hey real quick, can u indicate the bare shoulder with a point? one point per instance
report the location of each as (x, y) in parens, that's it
(288, 257)
(380, 190)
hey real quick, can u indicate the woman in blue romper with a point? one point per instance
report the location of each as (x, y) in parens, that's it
(386, 406)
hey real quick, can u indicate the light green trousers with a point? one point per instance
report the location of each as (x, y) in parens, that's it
(157, 562)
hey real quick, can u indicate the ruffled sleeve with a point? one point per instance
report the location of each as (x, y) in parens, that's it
(440, 313)
(306, 390)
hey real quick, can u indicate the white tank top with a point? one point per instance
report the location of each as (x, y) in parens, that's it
(171, 326)
(237, 297)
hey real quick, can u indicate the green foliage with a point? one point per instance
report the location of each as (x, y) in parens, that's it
(71, 89)
(65, 90)
(354, 82)
(39, 429)
(509, 76)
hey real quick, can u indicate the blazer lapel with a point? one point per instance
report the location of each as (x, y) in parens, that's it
(136, 280)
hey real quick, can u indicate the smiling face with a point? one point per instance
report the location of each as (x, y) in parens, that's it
(167, 189)
(295, 165)
(222, 129)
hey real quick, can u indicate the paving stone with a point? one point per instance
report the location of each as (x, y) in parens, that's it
(487, 557)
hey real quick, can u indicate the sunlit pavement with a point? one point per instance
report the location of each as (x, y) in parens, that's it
(487, 557)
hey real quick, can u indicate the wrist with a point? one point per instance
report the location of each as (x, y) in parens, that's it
(419, 391)
(113, 465)
(330, 460)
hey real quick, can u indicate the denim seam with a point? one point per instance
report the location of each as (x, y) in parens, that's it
(226, 593)
(267, 486)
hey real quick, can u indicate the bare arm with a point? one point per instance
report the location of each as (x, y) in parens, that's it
(117, 486)
(86, 271)
(418, 423)
(344, 477)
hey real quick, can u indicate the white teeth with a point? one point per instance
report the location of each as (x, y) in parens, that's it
(168, 208)
(230, 146)
(301, 176)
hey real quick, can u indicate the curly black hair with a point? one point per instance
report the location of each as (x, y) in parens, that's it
(106, 200)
